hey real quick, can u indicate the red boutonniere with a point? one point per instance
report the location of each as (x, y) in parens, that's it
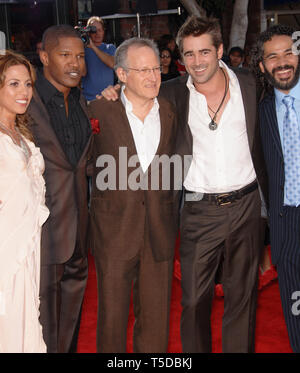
(95, 125)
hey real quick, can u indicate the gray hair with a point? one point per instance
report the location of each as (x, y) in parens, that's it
(122, 50)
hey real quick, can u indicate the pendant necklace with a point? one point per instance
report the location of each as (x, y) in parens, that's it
(213, 125)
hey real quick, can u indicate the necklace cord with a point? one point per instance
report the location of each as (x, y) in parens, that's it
(225, 94)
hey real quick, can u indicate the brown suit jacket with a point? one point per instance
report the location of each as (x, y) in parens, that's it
(123, 220)
(66, 190)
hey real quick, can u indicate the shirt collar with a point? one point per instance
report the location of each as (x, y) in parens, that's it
(128, 105)
(47, 91)
(294, 92)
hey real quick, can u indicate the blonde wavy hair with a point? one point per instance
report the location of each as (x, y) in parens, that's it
(8, 59)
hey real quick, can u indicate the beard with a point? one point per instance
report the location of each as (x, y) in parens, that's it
(282, 85)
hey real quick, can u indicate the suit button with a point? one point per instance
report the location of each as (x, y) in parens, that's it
(280, 214)
(281, 187)
(143, 203)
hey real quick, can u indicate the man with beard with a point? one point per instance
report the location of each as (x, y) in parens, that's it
(62, 132)
(278, 68)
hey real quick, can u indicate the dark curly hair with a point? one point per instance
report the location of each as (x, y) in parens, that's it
(257, 51)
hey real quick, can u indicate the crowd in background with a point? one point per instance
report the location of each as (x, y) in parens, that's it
(48, 285)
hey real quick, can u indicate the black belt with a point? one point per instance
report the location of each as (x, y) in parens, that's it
(221, 198)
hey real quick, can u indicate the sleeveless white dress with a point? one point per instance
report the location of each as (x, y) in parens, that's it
(22, 214)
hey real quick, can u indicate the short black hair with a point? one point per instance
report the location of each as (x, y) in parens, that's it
(53, 33)
(236, 49)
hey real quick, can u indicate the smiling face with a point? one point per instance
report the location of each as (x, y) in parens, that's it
(64, 63)
(280, 66)
(201, 58)
(16, 92)
(140, 87)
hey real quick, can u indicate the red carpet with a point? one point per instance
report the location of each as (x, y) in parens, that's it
(271, 333)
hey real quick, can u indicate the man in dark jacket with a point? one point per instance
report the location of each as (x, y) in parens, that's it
(62, 131)
(276, 60)
(220, 221)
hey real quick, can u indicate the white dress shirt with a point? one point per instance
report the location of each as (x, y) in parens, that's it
(146, 134)
(221, 159)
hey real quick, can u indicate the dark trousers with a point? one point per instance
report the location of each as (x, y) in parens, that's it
(288, 269)
(229, 237)
(61, 295)
(151, 282)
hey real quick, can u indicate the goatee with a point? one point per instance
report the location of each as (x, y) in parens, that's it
(282, 85)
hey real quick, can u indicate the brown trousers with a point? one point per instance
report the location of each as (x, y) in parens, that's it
(212, 238)
(151, 283)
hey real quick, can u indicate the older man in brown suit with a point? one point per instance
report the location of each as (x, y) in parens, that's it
(134, 228)
(62, 131)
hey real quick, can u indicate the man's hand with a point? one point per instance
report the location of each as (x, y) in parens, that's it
(110, 93)
(91, 44)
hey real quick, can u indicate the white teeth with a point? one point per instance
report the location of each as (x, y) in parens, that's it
(74, 74)
(21, 101)
(284, 71)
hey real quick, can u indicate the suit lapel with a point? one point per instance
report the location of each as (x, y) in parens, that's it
(166, 118)
(166, 121)
(126, 136)
(44, 130)
(84, 108)
(124, 129)
(248, 91)
(45, 133)
(183, 113)
(270, 113)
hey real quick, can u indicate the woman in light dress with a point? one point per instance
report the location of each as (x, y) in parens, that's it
(22, 211)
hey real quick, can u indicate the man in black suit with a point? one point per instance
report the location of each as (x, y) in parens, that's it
(62, 131)
(277, 66)
(220, 220)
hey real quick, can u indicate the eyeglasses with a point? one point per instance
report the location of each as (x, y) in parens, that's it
(146, 72)
(165, 56)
